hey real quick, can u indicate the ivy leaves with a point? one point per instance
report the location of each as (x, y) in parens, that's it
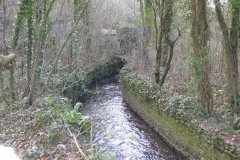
(24, 12)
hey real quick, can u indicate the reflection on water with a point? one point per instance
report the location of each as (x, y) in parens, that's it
(120, 132)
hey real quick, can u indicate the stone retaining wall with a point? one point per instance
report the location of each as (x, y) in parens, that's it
(95, 76)
(183, 132)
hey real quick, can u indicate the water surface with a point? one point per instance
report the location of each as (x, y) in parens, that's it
(120, 133)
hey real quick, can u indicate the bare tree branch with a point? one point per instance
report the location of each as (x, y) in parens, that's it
(6, 60)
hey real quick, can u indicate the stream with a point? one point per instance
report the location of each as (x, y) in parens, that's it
(120, 133)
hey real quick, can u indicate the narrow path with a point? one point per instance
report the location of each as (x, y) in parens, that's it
(120, 133)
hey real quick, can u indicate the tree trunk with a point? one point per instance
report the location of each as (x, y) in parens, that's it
(168, 18)
(167, 65)
(201, 64)
(148, 17)
(231, 50)
(40, 25)
(77, 7)
(157, 67)
(44, 24)
(12, 80)
(20, 17)
(86, 23)
(4, 45)
(232, 58)
(158, 13)
(36, 60)
(4, 28)
(144, 34)
(30, 47)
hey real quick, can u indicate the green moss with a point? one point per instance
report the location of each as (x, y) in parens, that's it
(152, 105)
(178, 134)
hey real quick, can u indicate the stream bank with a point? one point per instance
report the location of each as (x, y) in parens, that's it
(119, 132)
(179, 120)
(102, 73)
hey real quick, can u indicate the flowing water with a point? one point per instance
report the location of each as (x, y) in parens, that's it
(120, 133)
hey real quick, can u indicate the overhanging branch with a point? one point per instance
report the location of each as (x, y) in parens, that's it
(6, 60)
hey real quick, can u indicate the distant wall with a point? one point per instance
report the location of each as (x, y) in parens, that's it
(150, 104)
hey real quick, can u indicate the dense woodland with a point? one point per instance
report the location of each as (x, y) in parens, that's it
(189, 47)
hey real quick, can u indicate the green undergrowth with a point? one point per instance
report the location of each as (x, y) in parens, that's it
(45, 130)
(185, 110)
(53, 127)
(182, 107)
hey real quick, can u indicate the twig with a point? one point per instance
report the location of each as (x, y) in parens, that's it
(91, 133)
(53, 23)
(75, 141)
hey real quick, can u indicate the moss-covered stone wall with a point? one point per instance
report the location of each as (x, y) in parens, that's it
(178, 128)
(81, 91)
(103, 71)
